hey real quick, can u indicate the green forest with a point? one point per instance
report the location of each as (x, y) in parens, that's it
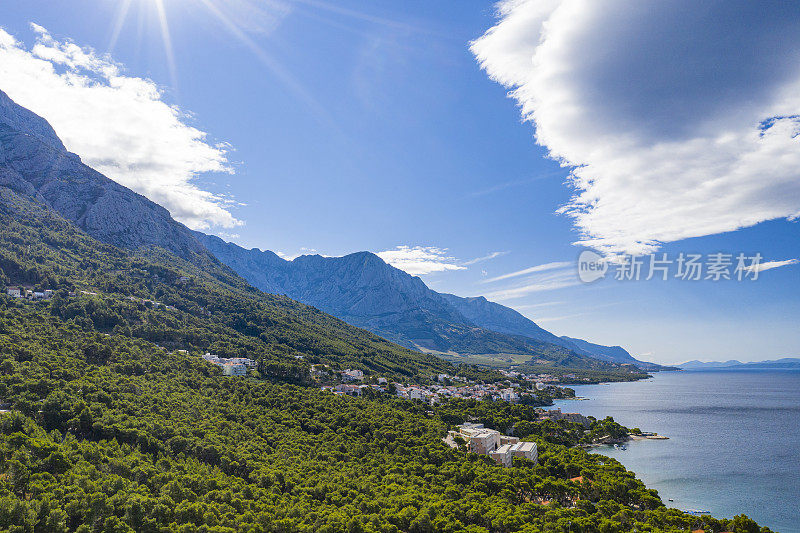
(108, 427)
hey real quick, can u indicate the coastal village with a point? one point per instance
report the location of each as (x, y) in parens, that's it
(518, 388)
(351, 382)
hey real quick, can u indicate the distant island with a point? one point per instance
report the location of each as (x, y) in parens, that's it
(785, 363)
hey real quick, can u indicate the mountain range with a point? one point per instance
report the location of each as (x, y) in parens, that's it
(360, 288)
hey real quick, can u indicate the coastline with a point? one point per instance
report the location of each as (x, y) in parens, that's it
(622, 440)
(694, 468)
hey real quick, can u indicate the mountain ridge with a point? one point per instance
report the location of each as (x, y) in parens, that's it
(34, 162)
(362, 289)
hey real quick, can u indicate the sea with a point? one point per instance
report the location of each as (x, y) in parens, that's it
(734, 439)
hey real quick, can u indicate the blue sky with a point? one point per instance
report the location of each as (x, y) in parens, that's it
(335, 127)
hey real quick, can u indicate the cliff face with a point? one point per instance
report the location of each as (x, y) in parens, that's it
(363, 290)
(358, 284)
(500, 318)
(34, 162)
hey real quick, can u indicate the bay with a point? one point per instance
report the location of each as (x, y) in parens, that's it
(734, 441)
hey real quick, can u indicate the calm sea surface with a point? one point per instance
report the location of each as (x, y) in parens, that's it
(734, 442)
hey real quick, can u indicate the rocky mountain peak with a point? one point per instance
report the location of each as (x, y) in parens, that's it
(23, 120)
(34, 162)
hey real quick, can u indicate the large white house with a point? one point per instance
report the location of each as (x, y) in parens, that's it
(505, 454)
(479, 439)
(509, 395)
(352, 375)
(234, 369)
(501, 448)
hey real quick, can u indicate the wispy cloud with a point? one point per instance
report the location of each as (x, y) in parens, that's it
(303, 251)
(119, 124)
(546, 319)
(512, 183)
(769, 265)
(487, 257)
(536, 306)
(420, 260)
(532, 270)
(699, 140)
(546, 281)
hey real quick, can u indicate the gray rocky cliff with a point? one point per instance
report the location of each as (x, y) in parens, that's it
(34, 162)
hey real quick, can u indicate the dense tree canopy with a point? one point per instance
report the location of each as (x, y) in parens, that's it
(110, 428)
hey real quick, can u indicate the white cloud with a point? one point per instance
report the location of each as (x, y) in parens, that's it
(535, 306)
(679, 120)
(486, 257)
(538, 268)
(769, 265)
(288, 257)
(547, 319)
(543, 281)
(303, 251)
(120, 125)
(420, 260)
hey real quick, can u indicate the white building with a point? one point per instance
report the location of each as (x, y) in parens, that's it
(211, 358)
(526, 450)
(416, 394)
(501, 448)
(503, 455)
(577, 418)
(509, 395)
(350, 390)
(319, 371)
(231, 369)
(15, 292)
(506, 439)
(242, 361)
(480, 439)
(352, 375)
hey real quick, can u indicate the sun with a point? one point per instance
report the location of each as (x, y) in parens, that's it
(235, 18)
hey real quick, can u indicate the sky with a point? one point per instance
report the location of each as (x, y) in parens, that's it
(482, 148)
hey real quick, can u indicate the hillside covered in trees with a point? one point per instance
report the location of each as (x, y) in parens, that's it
(112, 427)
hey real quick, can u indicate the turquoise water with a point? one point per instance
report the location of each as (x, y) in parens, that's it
(734, 442)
